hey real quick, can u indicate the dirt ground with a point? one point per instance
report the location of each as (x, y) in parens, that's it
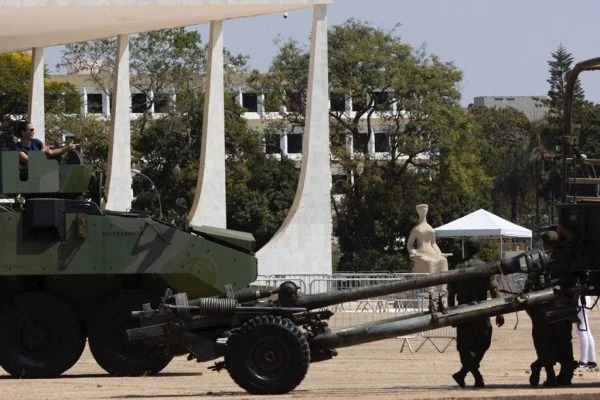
(377, 370)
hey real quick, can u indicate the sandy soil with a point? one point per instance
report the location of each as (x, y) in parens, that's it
(376, 370)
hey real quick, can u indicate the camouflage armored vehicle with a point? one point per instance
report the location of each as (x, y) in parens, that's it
(71, 271)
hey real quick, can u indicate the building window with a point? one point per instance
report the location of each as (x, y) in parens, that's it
(94, 103)
(294, 143)
(337, 102)
(250, 102)
(139, 103)
(362, 144)
(380, 101)
(382, 144)
(271, 143)
(161, 103)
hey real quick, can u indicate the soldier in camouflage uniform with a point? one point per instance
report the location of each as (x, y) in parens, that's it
(474, 337)
(552, 341)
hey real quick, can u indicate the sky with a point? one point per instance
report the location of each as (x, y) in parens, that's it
(502, 46)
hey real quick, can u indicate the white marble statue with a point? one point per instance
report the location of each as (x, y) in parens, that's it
(424, 251)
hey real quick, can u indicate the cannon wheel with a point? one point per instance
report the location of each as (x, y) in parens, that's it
(109, 343)
(269, 356)
(40, 336)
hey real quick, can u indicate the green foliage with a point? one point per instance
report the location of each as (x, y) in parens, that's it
(15, 69)
(460, 183)
(61, 98)
(14, 83)
(560, 64)
(96, 58)
(260, 191)
(589, 131)
(506, 138)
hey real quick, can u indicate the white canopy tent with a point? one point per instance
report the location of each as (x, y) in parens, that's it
(482, 223)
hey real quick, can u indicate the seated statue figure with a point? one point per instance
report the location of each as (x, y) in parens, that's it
(427, 256)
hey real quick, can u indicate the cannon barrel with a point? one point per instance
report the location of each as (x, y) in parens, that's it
(404, 325)
(318, 300)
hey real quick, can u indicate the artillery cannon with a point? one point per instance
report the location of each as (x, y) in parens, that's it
(268, 339)
(267, 343)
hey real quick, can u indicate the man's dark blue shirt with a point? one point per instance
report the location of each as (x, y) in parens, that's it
(35, 145)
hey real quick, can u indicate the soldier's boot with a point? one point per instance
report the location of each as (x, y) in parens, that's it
(565, 376)
(479, 383)
(459, 377)
(550, 376)
(534, 378)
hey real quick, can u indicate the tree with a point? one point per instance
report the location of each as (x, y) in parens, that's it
(409, 101)
(505, 137)
(560, 64)
(61, 98)
(14, 83)
(15, 70)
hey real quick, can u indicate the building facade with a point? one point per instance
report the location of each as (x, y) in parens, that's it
(531, 106)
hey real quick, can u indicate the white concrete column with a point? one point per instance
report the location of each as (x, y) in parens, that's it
(35, 106)
(394, 109)
(302, 245)
(106, 104)
(371, 143)
(350, 144)
(118, 176)
(261, 104)
(283, 144)
(83, 110)
(209, 206)
(151, 99)
(240, 97)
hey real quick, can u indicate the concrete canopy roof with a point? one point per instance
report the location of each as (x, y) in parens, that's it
(44, 23)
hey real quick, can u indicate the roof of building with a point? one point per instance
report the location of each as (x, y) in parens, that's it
(44, 23)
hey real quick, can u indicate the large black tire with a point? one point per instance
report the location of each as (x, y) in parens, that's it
(109, 343)
(269, 356)
(40, 336)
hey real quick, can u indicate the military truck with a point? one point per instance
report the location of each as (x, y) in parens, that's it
(72, 271)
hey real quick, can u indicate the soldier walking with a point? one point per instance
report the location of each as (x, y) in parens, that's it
(473, 338)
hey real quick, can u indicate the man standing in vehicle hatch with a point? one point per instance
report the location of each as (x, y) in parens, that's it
(473, 338)
(28, 143)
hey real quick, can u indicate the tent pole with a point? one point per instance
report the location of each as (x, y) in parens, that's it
(501, 248)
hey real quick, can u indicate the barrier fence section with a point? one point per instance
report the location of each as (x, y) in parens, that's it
(376, 308)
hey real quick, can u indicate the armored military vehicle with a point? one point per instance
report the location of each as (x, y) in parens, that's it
(72, 271)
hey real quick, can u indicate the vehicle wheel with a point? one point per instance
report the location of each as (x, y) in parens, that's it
(269, 356)
(40, 336)
(108, 340)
